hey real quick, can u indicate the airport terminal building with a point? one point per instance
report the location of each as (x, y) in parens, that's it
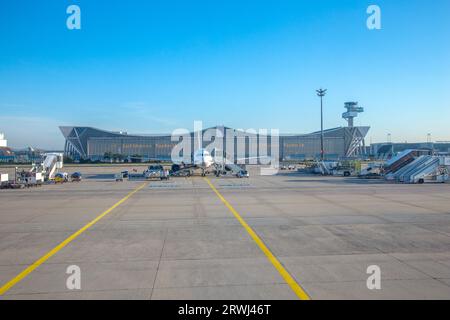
(87, 143)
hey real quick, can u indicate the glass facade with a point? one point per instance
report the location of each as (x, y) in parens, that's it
(148, 147)
(308, 147)
(91, 143)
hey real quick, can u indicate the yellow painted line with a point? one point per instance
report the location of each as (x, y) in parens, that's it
(298, 290)
(60, 246)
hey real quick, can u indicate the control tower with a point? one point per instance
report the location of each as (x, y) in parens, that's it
(352, 112)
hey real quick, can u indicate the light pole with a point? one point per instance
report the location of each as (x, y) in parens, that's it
(321, 93)
(429, 143)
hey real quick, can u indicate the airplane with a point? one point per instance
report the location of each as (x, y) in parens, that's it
(200, 159)
(203, 160)
(207, 163)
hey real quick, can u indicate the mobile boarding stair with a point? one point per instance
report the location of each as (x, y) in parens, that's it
(421, 169)
(403, 159)
(50, 166)
(323, 168)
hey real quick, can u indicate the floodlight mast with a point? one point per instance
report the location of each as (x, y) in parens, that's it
(321, 93)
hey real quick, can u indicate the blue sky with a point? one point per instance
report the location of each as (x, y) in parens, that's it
(153, 66)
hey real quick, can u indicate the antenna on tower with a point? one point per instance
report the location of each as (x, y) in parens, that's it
(352, 112)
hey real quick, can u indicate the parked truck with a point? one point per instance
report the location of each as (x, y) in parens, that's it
(4, 179)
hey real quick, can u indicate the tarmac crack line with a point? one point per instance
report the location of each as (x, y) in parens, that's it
(159, 262)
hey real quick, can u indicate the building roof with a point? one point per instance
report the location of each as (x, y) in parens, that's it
(78, 136)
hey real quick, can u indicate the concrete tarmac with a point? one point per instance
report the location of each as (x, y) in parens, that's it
(176, 239)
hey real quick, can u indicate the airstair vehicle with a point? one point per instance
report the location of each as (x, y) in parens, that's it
(322, 168)
(402, 159)
(422, 168)
(419, 169)
(52, 162)
(50, 166)
(333, 168)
